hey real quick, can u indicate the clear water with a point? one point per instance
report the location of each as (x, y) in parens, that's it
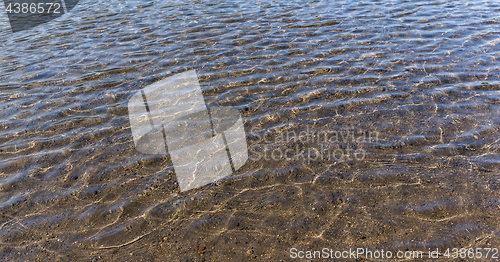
(423, 75)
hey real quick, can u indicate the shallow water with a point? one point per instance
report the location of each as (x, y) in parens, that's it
(422, 75)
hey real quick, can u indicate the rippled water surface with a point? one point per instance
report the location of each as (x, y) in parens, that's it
(423, 75)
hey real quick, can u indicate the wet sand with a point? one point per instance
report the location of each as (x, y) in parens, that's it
(422, 75)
